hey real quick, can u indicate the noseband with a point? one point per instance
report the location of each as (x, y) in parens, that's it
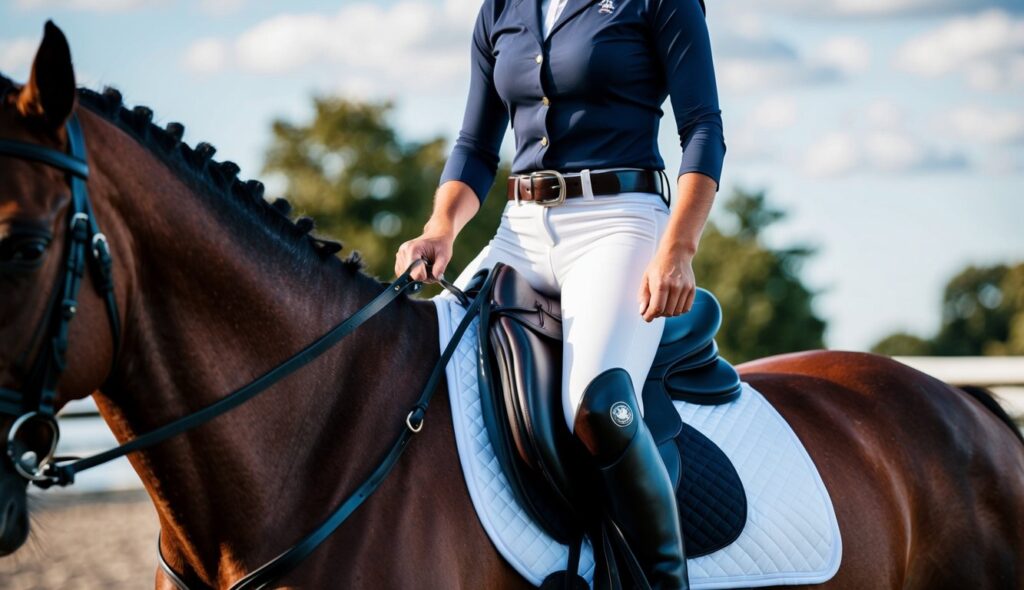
(87, 246)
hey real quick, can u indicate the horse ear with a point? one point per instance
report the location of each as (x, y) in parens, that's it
(50, 92)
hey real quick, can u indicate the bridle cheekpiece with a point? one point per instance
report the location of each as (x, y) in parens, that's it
(86, 247)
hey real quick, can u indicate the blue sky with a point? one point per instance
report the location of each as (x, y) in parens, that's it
(893, 131)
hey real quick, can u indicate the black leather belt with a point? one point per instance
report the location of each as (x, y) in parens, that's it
(551, 187)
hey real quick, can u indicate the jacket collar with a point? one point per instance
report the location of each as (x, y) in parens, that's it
(529, 12)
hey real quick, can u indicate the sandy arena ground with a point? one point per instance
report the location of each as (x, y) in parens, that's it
(86, 542)
(108, 540)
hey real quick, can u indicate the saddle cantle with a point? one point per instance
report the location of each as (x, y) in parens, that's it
(519, 370)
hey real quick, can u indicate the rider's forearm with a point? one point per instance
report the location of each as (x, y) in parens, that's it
(696, 195)
(455, 204)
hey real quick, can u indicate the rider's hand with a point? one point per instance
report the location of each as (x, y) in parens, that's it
(668, 285)
(434, 247)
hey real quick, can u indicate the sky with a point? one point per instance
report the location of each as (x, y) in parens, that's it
(892, 131)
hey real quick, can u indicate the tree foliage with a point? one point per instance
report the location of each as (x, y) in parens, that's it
(767, 309)
(349, 170)
(982, 314)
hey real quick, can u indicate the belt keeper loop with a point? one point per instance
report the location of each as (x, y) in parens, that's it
(588, 189)
(666, 187)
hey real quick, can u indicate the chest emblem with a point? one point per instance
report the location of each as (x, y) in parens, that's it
(606, 7)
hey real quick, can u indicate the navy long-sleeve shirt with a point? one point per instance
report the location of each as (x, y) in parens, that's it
(590, 94)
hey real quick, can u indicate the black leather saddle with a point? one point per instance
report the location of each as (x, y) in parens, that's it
(519, 367)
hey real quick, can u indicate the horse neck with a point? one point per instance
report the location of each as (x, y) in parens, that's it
(211, 304)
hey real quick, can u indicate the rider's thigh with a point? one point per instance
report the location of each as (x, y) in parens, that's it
(520, 242)
(601, 323)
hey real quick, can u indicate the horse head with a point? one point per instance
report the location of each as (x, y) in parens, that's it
(35, 198)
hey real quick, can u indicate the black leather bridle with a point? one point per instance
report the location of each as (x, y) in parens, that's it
(88, 247)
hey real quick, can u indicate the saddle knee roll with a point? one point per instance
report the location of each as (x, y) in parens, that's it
(608, 417)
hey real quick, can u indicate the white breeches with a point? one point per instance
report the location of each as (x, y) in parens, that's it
(594, 252)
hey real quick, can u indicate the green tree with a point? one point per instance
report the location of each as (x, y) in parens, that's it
(902, 343)
(766, 307)
(982, 314)
(349, 170)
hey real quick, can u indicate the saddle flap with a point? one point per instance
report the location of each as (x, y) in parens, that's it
(520, 375)
(514, 297)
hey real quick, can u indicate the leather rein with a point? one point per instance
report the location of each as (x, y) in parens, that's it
(88, 247)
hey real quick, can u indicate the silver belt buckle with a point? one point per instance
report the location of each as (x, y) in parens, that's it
(561, 187)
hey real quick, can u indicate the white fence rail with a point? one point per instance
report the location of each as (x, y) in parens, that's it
(84, 433)
(1004, 375)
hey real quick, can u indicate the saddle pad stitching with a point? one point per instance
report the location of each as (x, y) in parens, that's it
(756, 559)
(542, 552)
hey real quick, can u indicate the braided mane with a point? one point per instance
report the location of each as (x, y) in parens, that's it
(197, 166)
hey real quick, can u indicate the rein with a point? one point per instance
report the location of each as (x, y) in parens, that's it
(37, 405)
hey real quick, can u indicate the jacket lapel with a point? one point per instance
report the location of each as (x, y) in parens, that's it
(529, 13)
(572, 8)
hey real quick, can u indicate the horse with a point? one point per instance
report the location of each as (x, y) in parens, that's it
(214, 285)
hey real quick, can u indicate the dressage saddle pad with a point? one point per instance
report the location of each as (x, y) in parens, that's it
(790, 534)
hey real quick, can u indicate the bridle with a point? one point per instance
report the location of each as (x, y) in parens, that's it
(88, 247)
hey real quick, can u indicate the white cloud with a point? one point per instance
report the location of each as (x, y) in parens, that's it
(87, 5)
(221, 7)
(749, 59)
(747, 62)
(410, 46)
(834, 154)
(776, 112)
(1005, 162)
(884, 114)
(892, 152)
(977, 124)
(849, 54)
(750, 74)
(755, 138)
(206, 56)
(16, 56)
(877, 139)
(882, 8)
(749, 144)
(987, 49)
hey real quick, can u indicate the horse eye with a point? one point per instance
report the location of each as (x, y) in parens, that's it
(23, 254)
(29, 252)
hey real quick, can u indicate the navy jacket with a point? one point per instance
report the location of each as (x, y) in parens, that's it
(590, 94)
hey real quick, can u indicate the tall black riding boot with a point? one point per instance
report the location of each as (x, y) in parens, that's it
(642, 501)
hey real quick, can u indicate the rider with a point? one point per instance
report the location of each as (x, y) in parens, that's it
(584, 86)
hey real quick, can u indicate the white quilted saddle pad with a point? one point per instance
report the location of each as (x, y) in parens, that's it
(791, 534)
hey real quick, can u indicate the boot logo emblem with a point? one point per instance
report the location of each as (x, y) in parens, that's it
(622, 414)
